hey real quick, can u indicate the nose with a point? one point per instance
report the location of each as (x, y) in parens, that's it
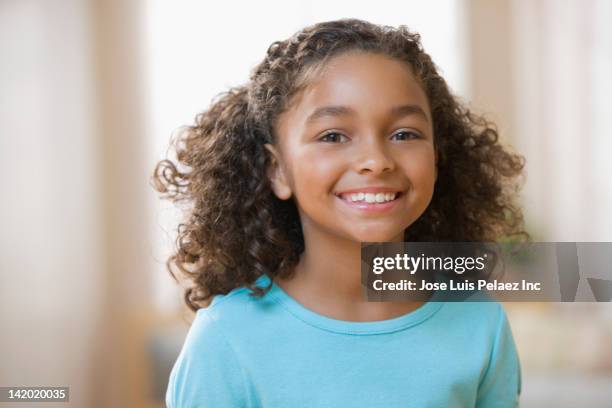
(374, 158)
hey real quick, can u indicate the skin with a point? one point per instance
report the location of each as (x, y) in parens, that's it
(368, 147)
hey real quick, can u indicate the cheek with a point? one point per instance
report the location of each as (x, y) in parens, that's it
(421, 169)
(315, 174)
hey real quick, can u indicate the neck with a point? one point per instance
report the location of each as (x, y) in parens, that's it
(327, 279)
(331, 266)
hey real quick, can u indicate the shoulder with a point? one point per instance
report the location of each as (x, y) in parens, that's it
(208, 370)
(205, 342)
(481, 328)
(481, 324)
(500, 383)
(237, 309)
(482, 313)
(211, 325)
(474, 306)
(235, 318)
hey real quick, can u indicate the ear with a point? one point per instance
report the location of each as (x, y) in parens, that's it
(276, 174)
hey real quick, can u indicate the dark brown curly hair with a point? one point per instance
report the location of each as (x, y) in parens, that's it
(236, 229)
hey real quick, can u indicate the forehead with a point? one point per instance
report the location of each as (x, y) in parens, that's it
(362, 81)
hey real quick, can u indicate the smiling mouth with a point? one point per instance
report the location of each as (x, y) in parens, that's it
(384, 203)
(370, 199)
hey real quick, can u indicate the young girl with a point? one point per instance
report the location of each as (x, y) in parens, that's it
(345, 133)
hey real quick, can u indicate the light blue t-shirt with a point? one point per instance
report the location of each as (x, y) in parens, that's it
(273, 352)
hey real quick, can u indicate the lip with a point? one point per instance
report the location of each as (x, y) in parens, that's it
(370, 190)
(372, 208)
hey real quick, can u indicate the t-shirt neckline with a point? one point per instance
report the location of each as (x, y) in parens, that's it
(315, 319)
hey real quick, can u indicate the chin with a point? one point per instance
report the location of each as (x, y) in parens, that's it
(378, 236)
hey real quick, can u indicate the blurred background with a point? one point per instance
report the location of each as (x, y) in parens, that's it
(92, 90)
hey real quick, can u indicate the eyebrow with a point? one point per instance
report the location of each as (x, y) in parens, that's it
(397, 111)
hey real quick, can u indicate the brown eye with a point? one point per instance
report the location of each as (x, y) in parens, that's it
(407, 135)
(332, 137)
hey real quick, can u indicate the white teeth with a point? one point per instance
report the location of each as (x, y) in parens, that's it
(371, 197)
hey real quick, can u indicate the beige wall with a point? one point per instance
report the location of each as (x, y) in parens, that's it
(536, 68)
(75, 291)
(52, 249)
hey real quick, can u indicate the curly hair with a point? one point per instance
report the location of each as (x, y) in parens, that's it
(236, 229)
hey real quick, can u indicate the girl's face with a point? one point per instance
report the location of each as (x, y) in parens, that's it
(356, 150)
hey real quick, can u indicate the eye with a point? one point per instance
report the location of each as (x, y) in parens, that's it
(332, 137)
(407, 135)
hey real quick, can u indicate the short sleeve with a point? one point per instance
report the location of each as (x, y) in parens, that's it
(501, 383)
(206, 372)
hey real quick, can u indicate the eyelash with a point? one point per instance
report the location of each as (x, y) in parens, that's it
(415, 134)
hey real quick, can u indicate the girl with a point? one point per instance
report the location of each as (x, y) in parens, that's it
(345, 133)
